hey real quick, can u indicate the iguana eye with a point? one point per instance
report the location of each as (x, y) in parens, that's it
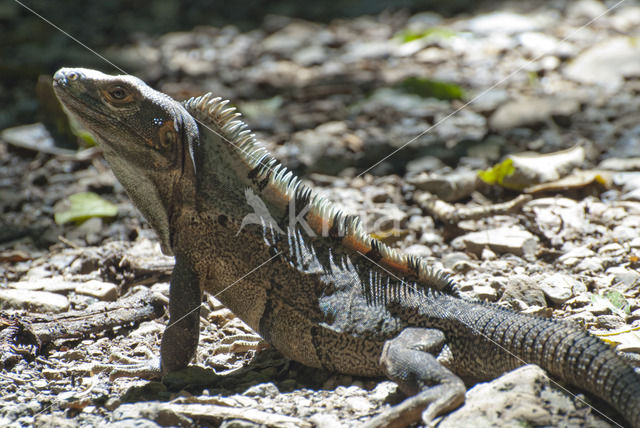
(118, 93)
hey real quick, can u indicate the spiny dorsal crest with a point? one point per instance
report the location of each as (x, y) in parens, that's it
(323, 216)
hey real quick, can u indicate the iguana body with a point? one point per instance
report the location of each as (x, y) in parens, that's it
(319, 289)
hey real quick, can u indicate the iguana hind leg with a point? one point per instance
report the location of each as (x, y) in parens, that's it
(409, 360)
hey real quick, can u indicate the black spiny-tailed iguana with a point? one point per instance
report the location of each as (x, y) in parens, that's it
(326, 294)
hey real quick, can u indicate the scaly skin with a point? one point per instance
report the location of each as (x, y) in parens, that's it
(326, 294)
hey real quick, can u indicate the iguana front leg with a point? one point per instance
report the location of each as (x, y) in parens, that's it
(409, 360)
(180, 338)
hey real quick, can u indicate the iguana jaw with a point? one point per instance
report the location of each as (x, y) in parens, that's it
(146, 136)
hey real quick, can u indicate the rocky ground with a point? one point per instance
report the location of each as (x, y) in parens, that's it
(559, 236)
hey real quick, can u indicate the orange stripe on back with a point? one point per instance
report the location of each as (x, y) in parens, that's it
(351, 241)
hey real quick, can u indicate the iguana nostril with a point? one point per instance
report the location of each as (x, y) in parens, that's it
(59, 77)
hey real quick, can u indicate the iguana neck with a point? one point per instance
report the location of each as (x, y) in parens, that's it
(157, 197)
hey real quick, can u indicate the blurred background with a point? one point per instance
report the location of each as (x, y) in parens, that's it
(30, 47)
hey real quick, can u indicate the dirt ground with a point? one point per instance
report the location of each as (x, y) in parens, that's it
(391, 116)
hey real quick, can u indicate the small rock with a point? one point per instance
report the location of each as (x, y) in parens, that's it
(263, 390)
(620, 164)
(511, 400)
(112, 403)
(626, 19)
(422, 164)
(325, 148)
(503, 22)
(52, 285)
(382, 391)
(418, 250)
(529, 111)
(635, 242)
(146, 256)
(629, 180)
(239, 423)
(624, 278)
(598, 306)
(610, 322)
(591, 264)
(623, 233)
(449, 187)
(292, 37)
(607, 63)
(373, 49)
(37, 272)
(573, 257)
(627, 145)
(358, 405)
(60, 262)
(151, 412)
(310, 55)
(384, 217)
(502, 240)
(611, 250)
(36, 301)
(34, 137)
(51, 421)
(325, 420)
(559, 287)
(485, 292)
(147, 328)
(487, 254)
(379, 195)
(586, 9)
(89, 231)
(484, 152)
(523, 288)
(453, 258)
(105, 291)
(584, 317)
(465, 125)
(633, 195)
(539, 311)
(490, 100)
(539, 44)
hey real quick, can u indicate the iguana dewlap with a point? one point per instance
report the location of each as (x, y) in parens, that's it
(305, 276)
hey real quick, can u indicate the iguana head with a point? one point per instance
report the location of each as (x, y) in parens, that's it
(147, 137)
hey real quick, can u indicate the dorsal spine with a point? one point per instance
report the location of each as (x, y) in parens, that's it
(324, 217)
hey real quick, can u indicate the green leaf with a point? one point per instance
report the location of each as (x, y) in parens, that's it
(390, 236)
(618, 301)
(261, 108)
(614, 300)
(628, 338)
(85, 205)
(498, 172)
(80, 132)
(523, 171)
(433, 33)
(428, 88)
